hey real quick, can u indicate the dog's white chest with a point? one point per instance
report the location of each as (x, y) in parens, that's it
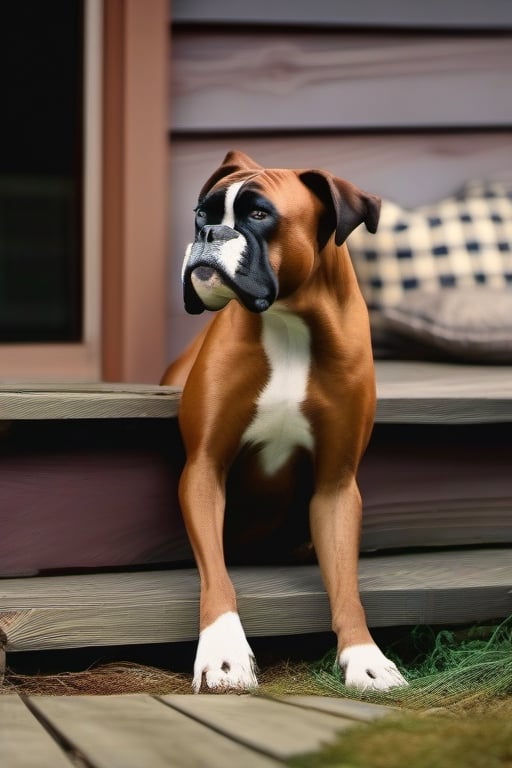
(279, 425)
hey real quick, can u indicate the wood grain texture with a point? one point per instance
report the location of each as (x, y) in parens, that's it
(249, 81)
(407, 391)
(87, 401)
(185, 731)
(99, 507)
(358, 711)
(277, 729)
(457, 14)
(434, 485)
(162, 606)
(418, 392)
(135, 731)
(24, 742)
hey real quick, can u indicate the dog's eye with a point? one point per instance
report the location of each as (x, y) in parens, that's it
(258, 214)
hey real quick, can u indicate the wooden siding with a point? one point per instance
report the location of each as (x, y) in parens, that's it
(243, 81)
(388, 110)
(437, 14)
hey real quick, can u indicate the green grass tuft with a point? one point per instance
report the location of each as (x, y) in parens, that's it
(450, 669)
(416, 741)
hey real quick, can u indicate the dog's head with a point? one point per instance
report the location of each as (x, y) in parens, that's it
(259, 231)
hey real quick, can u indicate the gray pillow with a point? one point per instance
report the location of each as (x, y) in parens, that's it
(473, 324)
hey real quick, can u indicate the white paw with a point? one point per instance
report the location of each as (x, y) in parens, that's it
(224, 658)
(366, 668)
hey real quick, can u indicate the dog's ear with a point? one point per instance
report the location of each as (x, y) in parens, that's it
(234, 161)
(346, 206)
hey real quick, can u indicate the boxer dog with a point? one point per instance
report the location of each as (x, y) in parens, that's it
(278, 401)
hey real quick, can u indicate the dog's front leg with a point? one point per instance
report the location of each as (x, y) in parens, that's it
(335, 518)
(224, 659)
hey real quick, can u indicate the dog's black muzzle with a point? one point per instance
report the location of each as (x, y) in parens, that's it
(247, 272)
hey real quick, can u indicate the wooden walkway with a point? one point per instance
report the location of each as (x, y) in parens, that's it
(163, 731)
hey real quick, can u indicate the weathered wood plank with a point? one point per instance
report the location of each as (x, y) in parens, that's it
(458, 14)
(24, 742)
(135, 731)
(274, 727)
(87, 388)
(160, 607)
(359, 711)
(88, 401)
(385, 164)
(435, 393)
(247, 81)
(101, 609)
(436, 485)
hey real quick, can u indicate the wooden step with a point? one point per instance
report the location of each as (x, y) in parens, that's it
(162, 606)
(87, 401)
(408, 392)
(411, 392)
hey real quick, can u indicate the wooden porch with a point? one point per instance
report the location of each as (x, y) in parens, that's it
(182, 731)
(77, 462)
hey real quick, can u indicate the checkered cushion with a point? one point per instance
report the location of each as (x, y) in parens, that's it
(462, 241)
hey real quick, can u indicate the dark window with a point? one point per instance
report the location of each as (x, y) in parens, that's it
(41, 78)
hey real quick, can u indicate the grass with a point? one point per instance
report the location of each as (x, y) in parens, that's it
(419, 741)
(452, 670)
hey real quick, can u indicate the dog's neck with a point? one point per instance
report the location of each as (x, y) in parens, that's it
(333, 277)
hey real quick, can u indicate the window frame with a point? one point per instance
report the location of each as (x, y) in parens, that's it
(76, 360)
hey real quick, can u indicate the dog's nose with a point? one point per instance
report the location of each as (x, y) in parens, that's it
(211, 233)
(203, 273)
(261, 305)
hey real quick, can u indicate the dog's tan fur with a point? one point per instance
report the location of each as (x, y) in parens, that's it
(225, 369)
